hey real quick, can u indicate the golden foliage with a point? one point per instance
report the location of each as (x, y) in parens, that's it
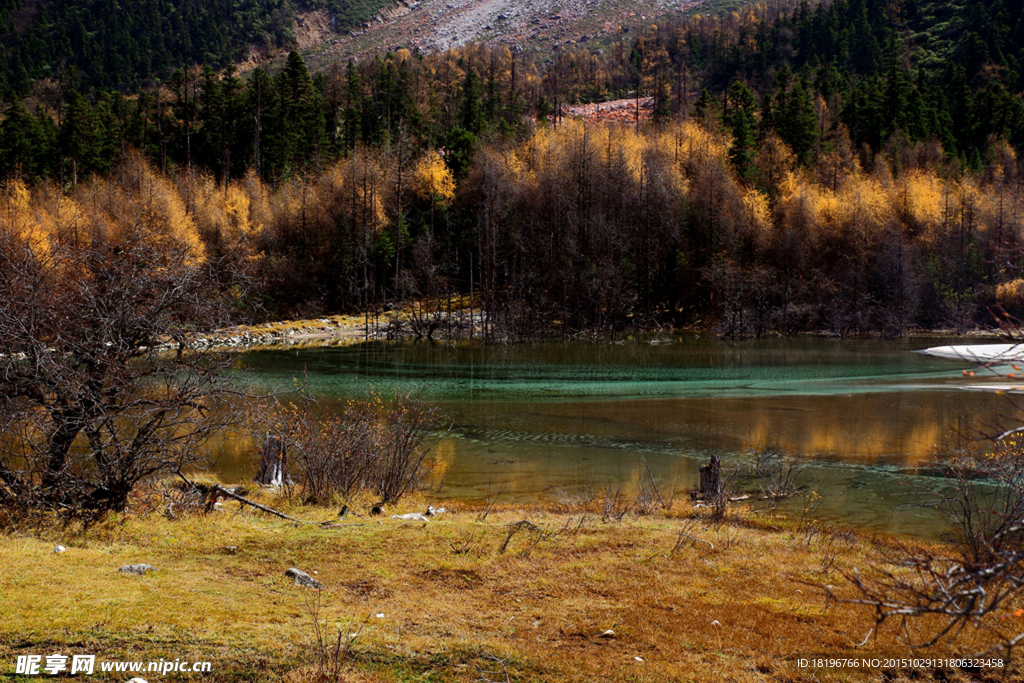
(433, 180)
(759, 214)
(1011, 293)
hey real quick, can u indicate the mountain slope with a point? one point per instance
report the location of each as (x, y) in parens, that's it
(125, 45)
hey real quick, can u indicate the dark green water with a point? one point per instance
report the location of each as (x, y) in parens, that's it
(871, 420)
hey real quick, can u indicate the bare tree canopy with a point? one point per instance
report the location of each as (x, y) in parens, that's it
(99, 384)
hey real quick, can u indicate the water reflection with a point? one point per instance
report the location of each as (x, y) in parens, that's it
(872, 420)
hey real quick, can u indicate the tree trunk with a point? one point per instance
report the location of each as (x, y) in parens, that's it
(273, 469)
(711, 478)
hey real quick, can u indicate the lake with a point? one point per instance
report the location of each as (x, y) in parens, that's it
(871, 421)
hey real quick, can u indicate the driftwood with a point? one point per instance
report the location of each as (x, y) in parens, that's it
(219, 490)
(273, 471)
(216, 492)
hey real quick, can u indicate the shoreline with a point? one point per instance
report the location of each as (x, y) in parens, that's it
(338, 330)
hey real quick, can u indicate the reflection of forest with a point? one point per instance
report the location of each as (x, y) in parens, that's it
(540, 445)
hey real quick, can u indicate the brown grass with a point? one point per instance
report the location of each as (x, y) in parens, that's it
(738, 602)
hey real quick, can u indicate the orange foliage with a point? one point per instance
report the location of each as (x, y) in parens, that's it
(433, 180)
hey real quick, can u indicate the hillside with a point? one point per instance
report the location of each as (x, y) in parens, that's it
(538, 27)
(100, 43)
(126, 46)
(801, 111)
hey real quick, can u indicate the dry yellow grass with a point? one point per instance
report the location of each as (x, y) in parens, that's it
(737, 605)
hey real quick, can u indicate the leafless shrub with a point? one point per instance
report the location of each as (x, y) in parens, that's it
(491, 500)
(503, 676)
(573, 524)
(616, 504)
(580, 499)
(726, 537)
(974, 581)
(646, 500)
(648, 495)
(808, 524)
(777, 473)
(515, 528)
(464, 544)
(687, 536)
(330, 653)
(182, 499)
(375, 445)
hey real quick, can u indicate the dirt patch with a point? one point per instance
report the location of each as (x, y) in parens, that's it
(312, 28)
(459, 579)
(628, 111)
(366, 589)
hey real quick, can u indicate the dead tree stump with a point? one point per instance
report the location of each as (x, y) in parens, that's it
(711, 479)
(273, 469)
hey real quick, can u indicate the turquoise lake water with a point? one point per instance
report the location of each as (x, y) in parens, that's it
(871, 421)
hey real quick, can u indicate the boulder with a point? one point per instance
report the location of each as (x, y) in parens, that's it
(303, 579)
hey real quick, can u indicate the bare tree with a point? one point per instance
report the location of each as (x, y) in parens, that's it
(100, 383)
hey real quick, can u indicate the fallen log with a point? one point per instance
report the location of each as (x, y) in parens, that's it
(217, 491)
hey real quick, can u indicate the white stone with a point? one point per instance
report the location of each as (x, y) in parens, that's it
(302, 578)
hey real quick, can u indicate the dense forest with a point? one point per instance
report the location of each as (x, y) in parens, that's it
(848, 166)
(128, 45)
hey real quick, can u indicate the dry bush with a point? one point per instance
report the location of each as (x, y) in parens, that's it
(777, 473)
(616, 504)
(330, 653)
(975, 582)
(375, 445)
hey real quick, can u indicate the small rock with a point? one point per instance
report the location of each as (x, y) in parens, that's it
(716, 622)
(379, 615)
(607, 634)
(138, 680)
(137, 569)
(59, 549)
(303, 579)
(639, 659)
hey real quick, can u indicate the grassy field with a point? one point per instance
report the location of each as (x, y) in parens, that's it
(740, 600)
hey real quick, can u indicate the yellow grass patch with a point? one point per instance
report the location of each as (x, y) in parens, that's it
(740, 604)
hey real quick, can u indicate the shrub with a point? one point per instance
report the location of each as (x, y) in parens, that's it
(374, 445)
